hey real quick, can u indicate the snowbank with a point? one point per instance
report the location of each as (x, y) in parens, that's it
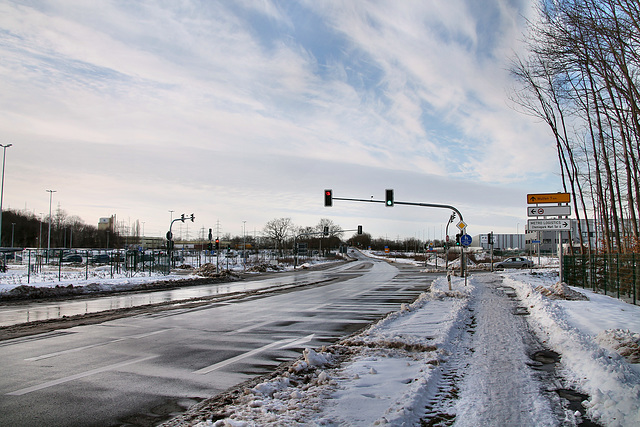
(590, 358)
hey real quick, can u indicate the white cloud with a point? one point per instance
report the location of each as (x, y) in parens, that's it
(232, 98)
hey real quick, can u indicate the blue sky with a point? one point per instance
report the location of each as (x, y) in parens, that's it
(247, 110)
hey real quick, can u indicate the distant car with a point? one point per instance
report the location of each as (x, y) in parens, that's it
(101, 259)
(514, 262)
(72, 258)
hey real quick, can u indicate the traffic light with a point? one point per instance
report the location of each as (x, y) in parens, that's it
(328, 197)
(491, 238)
(192, 217)
(182, 218)
(210, 246)
(458, 239)
(217, 244)
(388, 198)
(326, 231)
(359, 229)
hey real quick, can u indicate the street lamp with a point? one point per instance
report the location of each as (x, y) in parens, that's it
(4, 155)
(49, 237)
(244, 246)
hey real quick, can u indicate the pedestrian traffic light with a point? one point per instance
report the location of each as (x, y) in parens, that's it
(388, 198)
(328, 197)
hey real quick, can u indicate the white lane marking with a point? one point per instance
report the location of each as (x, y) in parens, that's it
(249, 328)
(73, 350)
(78, 376)
(291, 342)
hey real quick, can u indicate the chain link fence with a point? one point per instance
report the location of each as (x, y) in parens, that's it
(616, 275)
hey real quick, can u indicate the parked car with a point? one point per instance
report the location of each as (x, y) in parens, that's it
(514, 262)
(101, 259)
(72, 258)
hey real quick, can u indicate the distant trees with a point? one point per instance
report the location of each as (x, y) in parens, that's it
(581, 78)
(27, 230)
(70, 231)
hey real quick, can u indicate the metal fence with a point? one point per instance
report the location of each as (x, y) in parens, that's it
(112, 262)
(30, 265)
(616, 275)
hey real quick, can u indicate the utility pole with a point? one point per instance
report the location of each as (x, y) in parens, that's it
(2, 186)
(49, 236)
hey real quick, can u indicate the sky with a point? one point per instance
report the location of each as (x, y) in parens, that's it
(245, 111)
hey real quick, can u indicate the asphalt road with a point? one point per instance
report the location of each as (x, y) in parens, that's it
(144, 369)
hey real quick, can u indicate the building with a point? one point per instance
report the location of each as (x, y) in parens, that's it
(501, 242)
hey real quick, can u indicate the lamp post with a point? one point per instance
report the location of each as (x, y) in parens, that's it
(244, 246)
(49, 236)
(4, 155)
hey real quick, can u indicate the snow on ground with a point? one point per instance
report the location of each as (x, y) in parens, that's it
(393, 368)
(388, 373)
(106, 278)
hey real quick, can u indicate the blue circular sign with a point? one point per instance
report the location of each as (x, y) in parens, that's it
(465, 240)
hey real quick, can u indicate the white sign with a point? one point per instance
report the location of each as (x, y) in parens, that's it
(549, 211)
(549, 224)
(461, 225)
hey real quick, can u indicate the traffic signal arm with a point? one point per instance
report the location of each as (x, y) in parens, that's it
(427, 205)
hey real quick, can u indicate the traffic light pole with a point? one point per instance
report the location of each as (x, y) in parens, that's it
(328, 201)
(426, 205)
(170, 239)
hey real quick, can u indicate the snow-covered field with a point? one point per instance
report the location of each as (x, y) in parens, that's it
(105, 278)
(392, 371)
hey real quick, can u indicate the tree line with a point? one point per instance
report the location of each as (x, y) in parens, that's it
(23, 229)
(580, 76)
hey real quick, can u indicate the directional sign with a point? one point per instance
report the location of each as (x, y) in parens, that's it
(549, 211)
(549, 198)
(549, 224)
(465, 240)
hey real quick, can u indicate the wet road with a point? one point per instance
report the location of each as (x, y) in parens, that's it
(30, 311)
(140, 370)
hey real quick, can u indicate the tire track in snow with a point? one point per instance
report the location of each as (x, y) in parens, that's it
(487, 379)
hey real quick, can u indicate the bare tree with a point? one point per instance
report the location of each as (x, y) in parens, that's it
(278, 229)
(581, 78)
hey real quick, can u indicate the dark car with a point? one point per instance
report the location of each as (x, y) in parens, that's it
(514, 262)
(72, 258)
(101, 259)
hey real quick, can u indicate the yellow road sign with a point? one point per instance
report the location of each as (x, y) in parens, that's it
(549, 198)
(461, 225)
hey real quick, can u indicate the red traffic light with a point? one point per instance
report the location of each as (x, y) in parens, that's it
(328, 197)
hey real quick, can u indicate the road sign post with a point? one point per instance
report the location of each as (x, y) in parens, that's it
(559, 225)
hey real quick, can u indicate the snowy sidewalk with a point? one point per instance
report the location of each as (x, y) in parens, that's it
(458, 356)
